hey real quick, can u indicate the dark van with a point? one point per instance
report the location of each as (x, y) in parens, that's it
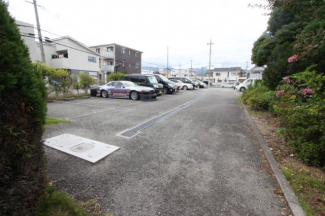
(145, 80)
(169, 86)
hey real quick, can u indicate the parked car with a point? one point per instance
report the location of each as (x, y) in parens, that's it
(202, 85)
(145, 80)
(184, 86)
(243, 86)
(186, 80)
(228, 85)
(169, 86)
(126, 89)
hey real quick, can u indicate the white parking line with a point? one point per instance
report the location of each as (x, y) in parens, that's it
(89, 113)
(82, 104)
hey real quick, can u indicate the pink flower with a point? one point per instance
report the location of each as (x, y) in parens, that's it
(287, 80)
(307, 91)
(293, 58)
(278, 93)
(296, 46)
(309, 46)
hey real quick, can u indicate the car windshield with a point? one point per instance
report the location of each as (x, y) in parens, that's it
(164, 78)
(152, 79)
(129, 84)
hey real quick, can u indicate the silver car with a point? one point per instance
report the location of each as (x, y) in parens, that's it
(126, 89)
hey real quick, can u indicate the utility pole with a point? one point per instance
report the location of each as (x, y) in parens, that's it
(39, 33)
(191, 69)
(210, 59)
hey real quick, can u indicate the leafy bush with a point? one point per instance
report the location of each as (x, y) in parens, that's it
(23, 110)
(57, 80)
(85, 81)
(115, 76)
(258, 97)
(300, 105)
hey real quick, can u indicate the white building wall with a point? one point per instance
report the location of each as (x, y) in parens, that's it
(77, 56)
(29, 40)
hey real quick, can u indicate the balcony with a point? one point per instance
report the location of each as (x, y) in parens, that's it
(108, 68)
(60, 63)
(107, 55)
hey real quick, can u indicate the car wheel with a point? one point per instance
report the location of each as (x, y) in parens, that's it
(104, 94)
(242, 89)
(134, 95)
(165, 90)
(185, 88)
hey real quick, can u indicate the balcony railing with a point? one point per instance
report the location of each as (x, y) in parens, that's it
(60, 63)
(108, 68)
(107, 54)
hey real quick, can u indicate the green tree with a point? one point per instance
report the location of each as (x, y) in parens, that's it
(295, 29)
(23, 110)
(57, 80)
(261, 50)
(115, 76)
(85, 81)
(76, 86)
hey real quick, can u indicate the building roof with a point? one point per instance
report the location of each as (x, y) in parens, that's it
(101, 45)
(257, 68)
(81, 44)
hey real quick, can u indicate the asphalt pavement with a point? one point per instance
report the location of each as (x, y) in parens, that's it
(203, 159)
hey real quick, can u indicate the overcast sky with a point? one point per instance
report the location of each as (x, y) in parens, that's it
(185, 26)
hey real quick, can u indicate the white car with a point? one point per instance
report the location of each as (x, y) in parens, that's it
(243, 86)
(228, 85)
(182, 85)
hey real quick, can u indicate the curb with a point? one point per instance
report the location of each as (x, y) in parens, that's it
(284, 184)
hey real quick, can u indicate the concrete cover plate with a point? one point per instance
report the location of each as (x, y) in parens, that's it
(86, 149)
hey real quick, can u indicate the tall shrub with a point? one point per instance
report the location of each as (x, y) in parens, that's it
(22, 115)
(85, 81)
(300, 107)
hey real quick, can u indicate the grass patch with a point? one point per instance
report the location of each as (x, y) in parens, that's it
(51, 121)
(309, 190)
(240, 102)
(55, 203)
(68, 95)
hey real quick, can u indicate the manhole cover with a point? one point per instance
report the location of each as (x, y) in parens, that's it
(84, 148)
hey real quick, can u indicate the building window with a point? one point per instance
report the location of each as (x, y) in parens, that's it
(110, 49)
(123, 50)
(136, 54)
(123, 64)
(110, 63)
(217, 74)
(233, 74)
(129, 64)
(136, 65)
(91, 59)
(98, 50)
(129, 52)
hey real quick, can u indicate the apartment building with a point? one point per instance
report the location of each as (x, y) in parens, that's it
(69, 54)
(115, 57)
(229, 74)
(186, 72)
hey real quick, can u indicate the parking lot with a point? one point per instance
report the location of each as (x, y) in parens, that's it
(196, 155)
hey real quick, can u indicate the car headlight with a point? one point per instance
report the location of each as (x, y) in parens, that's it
(171, 85)
(155, 86)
